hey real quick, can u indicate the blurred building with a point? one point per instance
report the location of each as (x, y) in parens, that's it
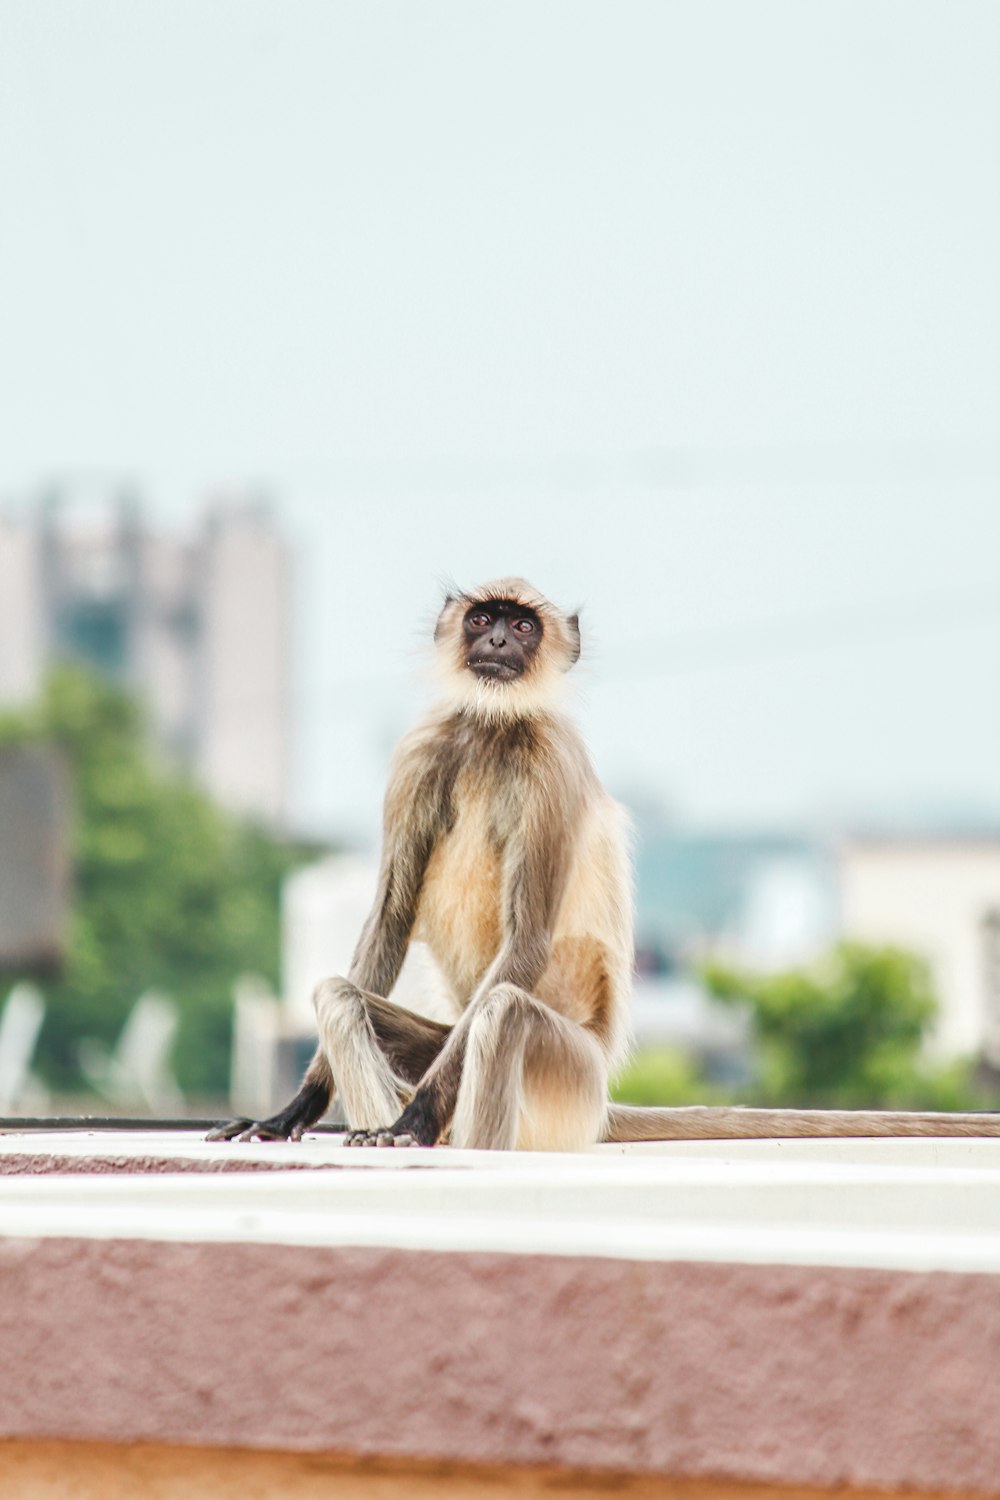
(760, 900)
(196, 626)
(939, 897)
(35, 858)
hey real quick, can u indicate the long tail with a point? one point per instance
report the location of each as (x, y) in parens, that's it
(696, 1122)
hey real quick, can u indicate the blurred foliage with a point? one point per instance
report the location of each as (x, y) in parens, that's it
(663, 1075)
(848, 1033)
(170, 892)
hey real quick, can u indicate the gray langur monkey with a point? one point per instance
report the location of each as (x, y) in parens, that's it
(505, 855)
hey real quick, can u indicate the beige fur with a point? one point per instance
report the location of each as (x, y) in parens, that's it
(718, 1122)
(459, 916)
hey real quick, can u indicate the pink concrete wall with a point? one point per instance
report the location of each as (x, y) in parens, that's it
(780, 1374)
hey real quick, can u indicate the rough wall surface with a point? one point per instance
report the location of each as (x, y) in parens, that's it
(791, 1375)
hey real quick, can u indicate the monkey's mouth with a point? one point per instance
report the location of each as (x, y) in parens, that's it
(493, 670)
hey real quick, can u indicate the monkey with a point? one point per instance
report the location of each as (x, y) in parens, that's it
(503, 852)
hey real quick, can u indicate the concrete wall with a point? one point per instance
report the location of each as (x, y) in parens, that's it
(756, 1319)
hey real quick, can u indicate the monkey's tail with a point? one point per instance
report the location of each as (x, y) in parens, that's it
(698, 1122)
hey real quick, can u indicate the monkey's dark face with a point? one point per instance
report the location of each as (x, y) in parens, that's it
(501, 638)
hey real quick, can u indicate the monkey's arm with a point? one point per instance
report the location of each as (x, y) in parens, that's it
(378, 957)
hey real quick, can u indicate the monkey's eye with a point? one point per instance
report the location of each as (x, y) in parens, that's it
(479, 622)
(523, 627)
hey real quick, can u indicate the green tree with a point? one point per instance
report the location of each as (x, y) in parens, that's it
(169, 891)
(664, 1075)
(848, 1033)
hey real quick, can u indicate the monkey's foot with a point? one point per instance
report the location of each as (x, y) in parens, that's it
(418, 1125)
(379, 1138)
(289, 1124)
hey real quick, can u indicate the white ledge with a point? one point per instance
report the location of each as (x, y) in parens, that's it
(908, 1205)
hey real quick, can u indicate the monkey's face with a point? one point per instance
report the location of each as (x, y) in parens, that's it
(500, 638)
(502, 650)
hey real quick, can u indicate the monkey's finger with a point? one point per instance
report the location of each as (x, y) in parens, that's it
(228, 1130)
(262, 1131)
(404, 1140)
(385, 1138)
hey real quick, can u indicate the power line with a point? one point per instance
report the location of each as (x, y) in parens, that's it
(742, 642)
(828, 630)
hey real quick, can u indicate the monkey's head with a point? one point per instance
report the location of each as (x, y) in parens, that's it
(503, 648)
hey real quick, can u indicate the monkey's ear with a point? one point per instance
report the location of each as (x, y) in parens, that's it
(449, 600)
(573, 631)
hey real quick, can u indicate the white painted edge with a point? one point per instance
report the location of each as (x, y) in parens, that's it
(919, 1209)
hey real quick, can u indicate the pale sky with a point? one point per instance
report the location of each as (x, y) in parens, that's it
(690, 312)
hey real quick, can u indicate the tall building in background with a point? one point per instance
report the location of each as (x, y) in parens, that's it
(197, 627)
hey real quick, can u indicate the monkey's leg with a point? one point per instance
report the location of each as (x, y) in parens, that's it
(532, 1078)
(514, 1073)
(376, 1050)
(309, 1105)
(409, 1043)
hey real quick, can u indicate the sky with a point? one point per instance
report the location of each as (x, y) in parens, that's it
(689, 312)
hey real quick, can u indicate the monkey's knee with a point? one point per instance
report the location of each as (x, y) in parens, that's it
(500, 1028)
(341, 1019)
(339, 1007)
(504, 1005)
(332, 992)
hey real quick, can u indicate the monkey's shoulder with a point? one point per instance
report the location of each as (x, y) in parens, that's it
(458, 754)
